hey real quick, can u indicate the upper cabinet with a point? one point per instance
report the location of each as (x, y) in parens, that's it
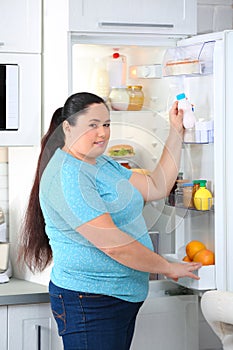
(20, 26)
(132, 16)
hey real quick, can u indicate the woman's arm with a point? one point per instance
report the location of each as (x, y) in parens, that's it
(162, 178)
(121, 247)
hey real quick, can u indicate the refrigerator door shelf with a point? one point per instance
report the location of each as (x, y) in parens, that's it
(206, 274)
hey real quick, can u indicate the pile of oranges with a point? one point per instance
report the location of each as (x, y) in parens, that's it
(196, 251)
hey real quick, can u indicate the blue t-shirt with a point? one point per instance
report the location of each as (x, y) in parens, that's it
(72, 193)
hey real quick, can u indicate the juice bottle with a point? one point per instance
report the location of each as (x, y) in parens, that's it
(117, 69)
(203, 197)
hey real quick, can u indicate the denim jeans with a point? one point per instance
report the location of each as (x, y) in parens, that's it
(89, 321)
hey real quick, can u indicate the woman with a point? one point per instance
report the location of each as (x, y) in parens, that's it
(85, 213)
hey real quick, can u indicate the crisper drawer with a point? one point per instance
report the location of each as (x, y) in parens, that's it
(168, 319)
(206, 274)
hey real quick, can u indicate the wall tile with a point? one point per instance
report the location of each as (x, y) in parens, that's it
(205, 15)
(222, 18)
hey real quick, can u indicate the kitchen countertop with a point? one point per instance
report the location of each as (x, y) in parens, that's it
(18, 291)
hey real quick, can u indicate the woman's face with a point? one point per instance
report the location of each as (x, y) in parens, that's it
(88, 139)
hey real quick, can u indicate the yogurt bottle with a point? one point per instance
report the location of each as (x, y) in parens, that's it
(188, 117)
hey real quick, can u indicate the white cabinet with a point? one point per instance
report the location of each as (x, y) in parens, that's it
(135, 16)
(32, 327)
(20, 25)
(3, 327)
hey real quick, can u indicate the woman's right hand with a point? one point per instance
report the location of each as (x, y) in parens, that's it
(178, 270)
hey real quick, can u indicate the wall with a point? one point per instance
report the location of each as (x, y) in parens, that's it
(4, 203)
(214, 15)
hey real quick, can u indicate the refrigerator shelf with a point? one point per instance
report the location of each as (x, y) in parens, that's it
(206, 274)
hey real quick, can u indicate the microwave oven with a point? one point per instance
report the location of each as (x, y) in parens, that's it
(9, 96)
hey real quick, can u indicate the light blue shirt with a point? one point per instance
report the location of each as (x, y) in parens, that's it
(72, 193)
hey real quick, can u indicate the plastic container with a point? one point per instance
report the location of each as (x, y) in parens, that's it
(100, 81)
(136, 97)
(119, 98)
(117, 69)
(188, 195)
(189, 117)
(203, 199)
(179, 194)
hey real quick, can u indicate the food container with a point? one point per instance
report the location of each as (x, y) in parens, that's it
(188, 195)
(136, 97)
(119, 98)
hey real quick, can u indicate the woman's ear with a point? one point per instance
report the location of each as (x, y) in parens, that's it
(66, 126)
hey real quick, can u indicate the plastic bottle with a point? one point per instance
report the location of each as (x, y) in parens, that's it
(203, 197)
(100, 80)
(117, 69)
(189, 117)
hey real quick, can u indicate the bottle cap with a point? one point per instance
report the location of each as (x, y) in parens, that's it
(116, 55)
(202, 183)
(196, 181)
(180, 96)
(188, 184)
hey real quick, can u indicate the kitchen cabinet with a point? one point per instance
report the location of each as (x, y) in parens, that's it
(32, 327)
(3, 327)
(28, 327)
(162, 17)
(26, 320)
(20, 26)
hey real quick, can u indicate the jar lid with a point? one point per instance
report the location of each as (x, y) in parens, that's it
(119, 87)
(139, 87)
(188, 184)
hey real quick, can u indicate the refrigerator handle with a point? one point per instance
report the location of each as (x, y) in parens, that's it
(139, 25)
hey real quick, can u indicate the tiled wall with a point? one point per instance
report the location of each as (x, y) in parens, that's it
(4, 188)
(214, 15)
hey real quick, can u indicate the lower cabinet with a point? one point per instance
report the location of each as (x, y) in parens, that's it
(28, 327)
(3, 327)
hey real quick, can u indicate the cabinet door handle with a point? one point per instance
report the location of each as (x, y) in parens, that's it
(38, 328)
(140, 25)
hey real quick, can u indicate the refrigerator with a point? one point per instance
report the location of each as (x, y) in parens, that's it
(199, 66)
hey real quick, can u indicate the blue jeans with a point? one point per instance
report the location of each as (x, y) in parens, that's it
(89, 321)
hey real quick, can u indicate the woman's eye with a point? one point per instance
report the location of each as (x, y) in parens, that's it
(107, 125)
(94, 126)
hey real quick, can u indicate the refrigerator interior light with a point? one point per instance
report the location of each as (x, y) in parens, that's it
(146, 71)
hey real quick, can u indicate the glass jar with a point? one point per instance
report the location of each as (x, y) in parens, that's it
(119, 98)
(179, 195)
(188, 195)
(136, 97)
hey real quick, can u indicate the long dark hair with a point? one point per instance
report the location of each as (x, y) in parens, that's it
(34, 248)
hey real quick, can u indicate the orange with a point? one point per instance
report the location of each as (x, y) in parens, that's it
(204, 256)
(193, 247)
(187, 259)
